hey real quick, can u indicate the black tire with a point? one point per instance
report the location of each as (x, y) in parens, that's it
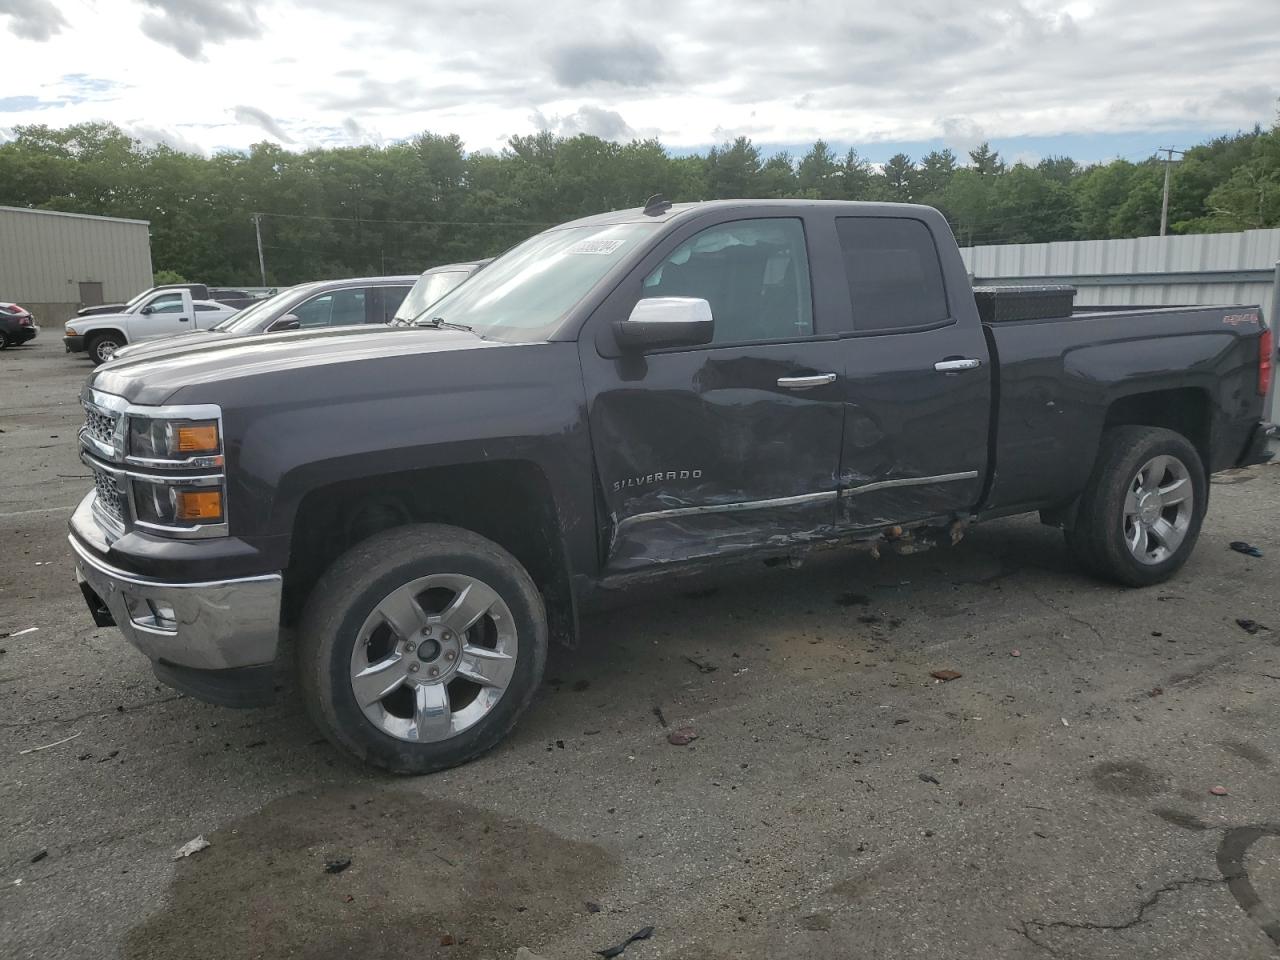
(348, 592)
(95, 344)
(4, 340)
(1098, 537)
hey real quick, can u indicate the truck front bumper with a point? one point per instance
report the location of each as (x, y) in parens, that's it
(74, 344)
(215, 640)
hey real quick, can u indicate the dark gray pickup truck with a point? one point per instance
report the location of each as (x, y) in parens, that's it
(620, 398)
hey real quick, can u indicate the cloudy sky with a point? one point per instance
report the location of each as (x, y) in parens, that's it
(1090, 78)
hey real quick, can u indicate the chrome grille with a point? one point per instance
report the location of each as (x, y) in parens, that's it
(110, 496)
(101, 426)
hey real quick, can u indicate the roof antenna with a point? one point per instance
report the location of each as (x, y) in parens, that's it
(656, 204)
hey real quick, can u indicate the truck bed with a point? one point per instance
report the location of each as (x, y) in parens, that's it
(1057, 380)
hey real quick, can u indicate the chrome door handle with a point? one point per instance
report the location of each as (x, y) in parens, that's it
(804, 383)
(950, 366)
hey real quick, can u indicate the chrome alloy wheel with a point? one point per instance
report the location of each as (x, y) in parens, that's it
(105, 349)
(1158, 507)
(434, 657)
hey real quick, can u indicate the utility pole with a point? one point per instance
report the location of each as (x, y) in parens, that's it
(1164, 205)
(262, 263)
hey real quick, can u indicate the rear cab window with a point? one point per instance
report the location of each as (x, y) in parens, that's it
(894, 274)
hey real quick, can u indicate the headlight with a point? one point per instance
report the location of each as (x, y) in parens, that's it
(154, 440)
(170, 503)
(70, 332)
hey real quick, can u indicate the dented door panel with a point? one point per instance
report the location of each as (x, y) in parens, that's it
(701, 453)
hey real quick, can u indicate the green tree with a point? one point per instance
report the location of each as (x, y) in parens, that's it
(985, 161)
(899, 175)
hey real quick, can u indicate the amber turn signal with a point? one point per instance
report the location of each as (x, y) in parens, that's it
(199, 504)
(198, 438)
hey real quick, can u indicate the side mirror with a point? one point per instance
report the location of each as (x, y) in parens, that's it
(288, 322)
(148, 310)
(666, 322)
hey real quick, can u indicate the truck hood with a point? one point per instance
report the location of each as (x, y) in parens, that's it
(100, 308)
(95, 321)
(189, 362)
(163, 346)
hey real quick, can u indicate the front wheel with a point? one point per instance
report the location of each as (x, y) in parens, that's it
(4, 340)
(420, 648)
(103, 347)
(1140, 514)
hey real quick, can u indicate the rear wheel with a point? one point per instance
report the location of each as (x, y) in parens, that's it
(1140, 515)
(4, 340)
(103, 346)
(420, 648)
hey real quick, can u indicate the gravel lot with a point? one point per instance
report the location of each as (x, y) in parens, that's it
(839, 802)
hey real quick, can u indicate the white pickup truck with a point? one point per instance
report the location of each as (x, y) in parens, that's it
(163, 314)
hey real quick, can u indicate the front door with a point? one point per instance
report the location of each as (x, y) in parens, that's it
(164, 315)
(722, 448)
(918, 382)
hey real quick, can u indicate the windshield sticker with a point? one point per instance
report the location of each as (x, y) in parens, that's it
(596, 247)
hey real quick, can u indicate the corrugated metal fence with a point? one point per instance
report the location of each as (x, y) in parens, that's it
(1211, 268)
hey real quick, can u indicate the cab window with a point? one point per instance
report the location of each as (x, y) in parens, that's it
(754, 273)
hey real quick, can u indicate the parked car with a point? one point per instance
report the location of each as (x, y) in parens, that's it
(16, 325)
(162, 314)
(431, 286)
(237, 298)
(613, 401)
(308, 306)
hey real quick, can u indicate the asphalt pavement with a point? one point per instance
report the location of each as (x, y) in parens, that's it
(839, 801)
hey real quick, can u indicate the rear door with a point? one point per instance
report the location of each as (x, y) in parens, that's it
(381, 303)
(918, 380)
(721, 448)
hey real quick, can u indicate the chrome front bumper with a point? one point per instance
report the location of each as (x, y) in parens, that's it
(213, 625)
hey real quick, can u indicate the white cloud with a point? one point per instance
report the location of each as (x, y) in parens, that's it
(690, 71)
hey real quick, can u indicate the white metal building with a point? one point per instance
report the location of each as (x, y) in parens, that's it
(53, 263)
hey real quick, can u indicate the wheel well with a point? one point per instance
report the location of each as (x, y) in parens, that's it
(509, 502)
(94, 334)
(1185, 411)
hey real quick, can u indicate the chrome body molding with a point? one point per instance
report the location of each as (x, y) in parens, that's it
(908, 482)
(797, 500)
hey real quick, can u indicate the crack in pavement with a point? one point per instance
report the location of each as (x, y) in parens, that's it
(1024, 928)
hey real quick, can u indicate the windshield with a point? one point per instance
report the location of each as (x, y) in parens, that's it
(137, 298)
(429, 288)
(246, 319)
(527, 291)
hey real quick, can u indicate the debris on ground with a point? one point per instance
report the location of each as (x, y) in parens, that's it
(1015, 652)
(1248, 549)
(657, 712)
(39, 855)
(946, 675)
(608, 952)
(1065, 723)
(930, 778)
(1218, 791)
(448, 940)
(1155, 691)
(18, 633)
(337, 866)
(592, 906)
(191, 847)
(682, 736)
(56, 743)
(1250, 626)
(702, 665)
